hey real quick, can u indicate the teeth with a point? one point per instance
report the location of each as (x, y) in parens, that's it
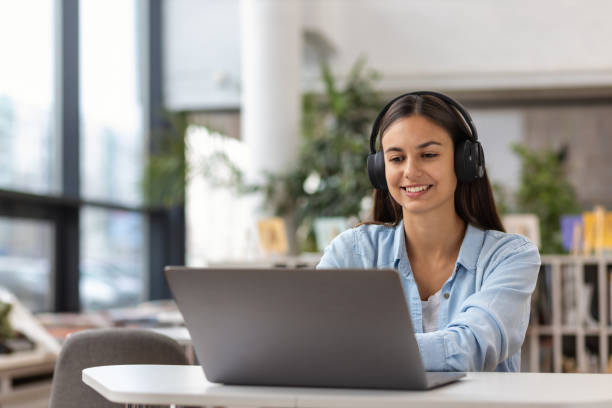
(416, 189)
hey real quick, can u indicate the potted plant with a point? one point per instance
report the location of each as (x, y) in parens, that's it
(545, 191)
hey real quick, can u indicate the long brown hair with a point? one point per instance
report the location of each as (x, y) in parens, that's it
(474, 202)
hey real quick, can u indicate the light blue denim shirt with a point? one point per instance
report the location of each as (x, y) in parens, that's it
(484, 311)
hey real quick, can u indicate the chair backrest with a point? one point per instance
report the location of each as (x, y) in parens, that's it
(100, 347)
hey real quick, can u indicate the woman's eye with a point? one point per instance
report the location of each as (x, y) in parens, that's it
(395, 159)
(430, 155)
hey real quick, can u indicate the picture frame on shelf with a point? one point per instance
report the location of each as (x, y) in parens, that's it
(272, 233)
(527, 225)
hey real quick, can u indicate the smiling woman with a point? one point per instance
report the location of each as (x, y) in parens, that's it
(467, 283)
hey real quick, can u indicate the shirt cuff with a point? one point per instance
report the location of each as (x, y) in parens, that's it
(433, 350)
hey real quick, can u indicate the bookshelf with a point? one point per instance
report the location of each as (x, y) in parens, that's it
(570, 328)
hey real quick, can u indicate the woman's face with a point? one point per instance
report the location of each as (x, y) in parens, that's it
(419, 165)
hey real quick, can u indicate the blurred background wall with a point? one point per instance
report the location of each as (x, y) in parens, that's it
(467, 45)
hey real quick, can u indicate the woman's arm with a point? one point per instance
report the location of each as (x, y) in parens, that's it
(491, 324)
(339, 253)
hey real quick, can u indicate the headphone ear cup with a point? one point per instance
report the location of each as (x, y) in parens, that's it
(376, 170)
(467, 159)
(481, 161)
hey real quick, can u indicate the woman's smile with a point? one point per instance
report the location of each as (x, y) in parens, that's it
(416, 190)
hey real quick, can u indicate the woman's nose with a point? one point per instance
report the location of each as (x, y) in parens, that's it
(411, 168)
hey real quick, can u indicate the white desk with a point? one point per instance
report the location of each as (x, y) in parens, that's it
(186, 385)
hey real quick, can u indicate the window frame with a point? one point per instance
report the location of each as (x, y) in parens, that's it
(166, 227)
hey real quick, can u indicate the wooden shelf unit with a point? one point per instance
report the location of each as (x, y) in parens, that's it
(550, 295)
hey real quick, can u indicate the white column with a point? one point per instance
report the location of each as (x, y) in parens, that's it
(271, 42)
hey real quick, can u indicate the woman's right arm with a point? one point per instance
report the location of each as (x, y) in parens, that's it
(340, 252)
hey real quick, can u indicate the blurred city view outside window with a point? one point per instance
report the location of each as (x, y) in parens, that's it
(29, 146)
(26, 261)
(112, 139)
(28, 143)
(112, 258)
(113, 249)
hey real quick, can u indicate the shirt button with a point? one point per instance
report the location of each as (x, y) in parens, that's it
(446, 295)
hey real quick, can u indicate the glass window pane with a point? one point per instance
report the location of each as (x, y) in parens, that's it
(26, 261)
(28, 144)
(112, 266)
(112, 139)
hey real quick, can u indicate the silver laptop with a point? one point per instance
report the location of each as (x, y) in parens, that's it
(302, 327)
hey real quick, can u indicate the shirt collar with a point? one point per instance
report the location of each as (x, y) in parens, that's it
(468, 253)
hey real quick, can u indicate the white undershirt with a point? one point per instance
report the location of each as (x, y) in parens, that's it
(430, 312)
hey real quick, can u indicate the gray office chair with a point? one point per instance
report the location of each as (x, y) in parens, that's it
(100, 347)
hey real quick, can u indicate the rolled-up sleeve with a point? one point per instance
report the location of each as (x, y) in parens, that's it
(491, 323)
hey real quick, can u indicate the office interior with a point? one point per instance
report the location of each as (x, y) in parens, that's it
(97, 97)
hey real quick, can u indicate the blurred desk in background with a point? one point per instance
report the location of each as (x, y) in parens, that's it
(153, 314)
(305, 260)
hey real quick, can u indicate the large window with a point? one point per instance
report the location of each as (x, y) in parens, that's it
(112, 154)
(28, 141)
(75, 80)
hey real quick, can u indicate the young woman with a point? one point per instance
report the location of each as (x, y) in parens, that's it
(467, 283)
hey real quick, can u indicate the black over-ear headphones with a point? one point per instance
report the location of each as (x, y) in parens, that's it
(469, 157)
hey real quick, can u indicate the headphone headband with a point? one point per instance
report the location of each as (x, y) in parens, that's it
(468, 159)
(450, 101)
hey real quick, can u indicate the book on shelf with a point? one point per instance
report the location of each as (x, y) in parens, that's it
(572, 289)
(569, 301)
(588, 233)
(541, 299)
(546, 354)
(609, 276)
